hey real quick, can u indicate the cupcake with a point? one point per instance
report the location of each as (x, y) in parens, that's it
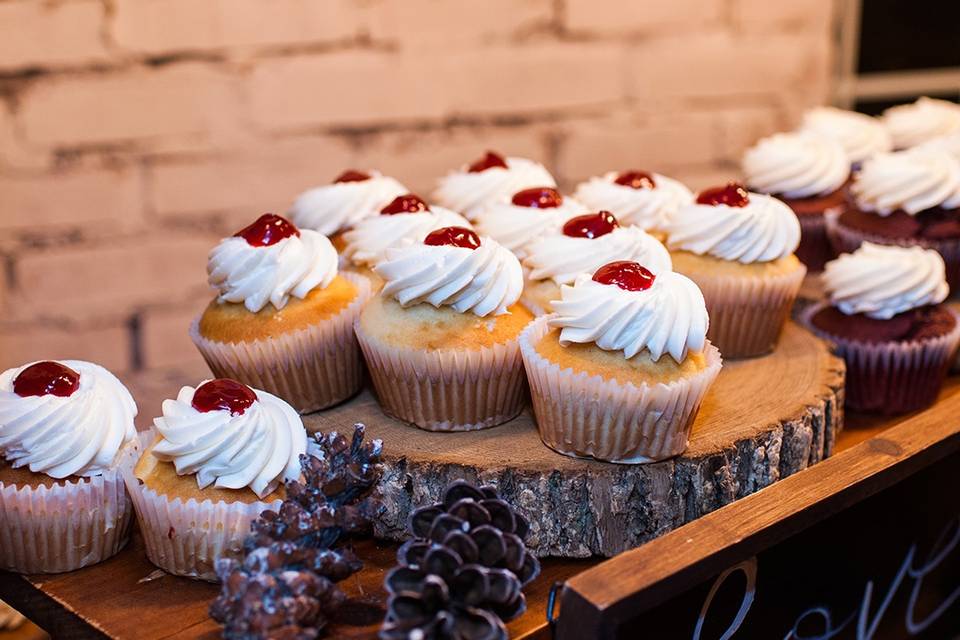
(644, 200)
(283, 319)
(490, 179)
(619, 371)
(885, 317)
(526, 216)
(808, 173)
(949, 143)
(333, 208)
(860, 135)
(405, 220)
(904, 198)
(584, 244)
(441, 338)
(63, 505)
(738, 247)
(219, 456)
(912, 124)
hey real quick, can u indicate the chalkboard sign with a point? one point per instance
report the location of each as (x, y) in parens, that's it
(865, 546)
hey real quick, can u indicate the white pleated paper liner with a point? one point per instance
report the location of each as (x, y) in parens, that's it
(747, 314)
(587, 416)
(185, 538)
(311, 368)
(446, 390)
(891, 377)
(66, 526)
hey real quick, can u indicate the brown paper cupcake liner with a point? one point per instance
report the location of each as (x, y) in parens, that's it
(67, 526)
(585, 416)
(815, 249)
(892, 377)
(185, 537)
(449, 390)
(847, 240)
(747, 314)
(311, 368)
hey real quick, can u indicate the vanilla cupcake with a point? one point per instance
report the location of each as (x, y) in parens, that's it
(440, 340)
(808, 172)
(525, 217)
(738, 247)
(283, 318)
(63, 505)
(618, 373)
(490, 179)
(219, 456)
(406, 220)
(584, 244)
(333, 208)
(644, 200)
(927, 118)
(885, 316)
(860, 135)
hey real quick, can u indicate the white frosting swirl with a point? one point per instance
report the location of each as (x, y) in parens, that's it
(562, 258)
(949, 143)
(76, 435)
(796, 165)
(881, 281)
(486, 280)
(467, 192)
(764, 230)
(369, 240)
(860, 135)
(669, 317)
(258, 275)
(259, 448)
(333, 207)
(649, 209)
(516, 227)
(923, 120)
(911, 181)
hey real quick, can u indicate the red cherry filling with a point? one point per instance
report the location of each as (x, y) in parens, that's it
(732, 194)
(46, 378)
(488, 161)
(223, 394)
(636, 180)
(627, 275)
(352, 175)
(538, 198)
(408, 203)
(267, 230)
(591, 225)
(453, 236)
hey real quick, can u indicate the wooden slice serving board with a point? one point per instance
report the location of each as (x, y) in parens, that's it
(764, 419)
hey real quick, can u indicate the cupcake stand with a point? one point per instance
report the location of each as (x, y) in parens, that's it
(669, 529)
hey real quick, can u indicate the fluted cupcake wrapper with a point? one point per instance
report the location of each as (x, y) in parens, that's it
(847, 240)
(891, 377)
(311, 368)
(585, 416)
(65, 527)
(815, 249)
(185, 537)
(747, 314)
(447, 390)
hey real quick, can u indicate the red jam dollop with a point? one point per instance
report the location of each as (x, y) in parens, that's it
(352, 175)
(636, 180)
(538, 198)
(453, 236)
(488, 161)
(267, 230)
(407, 203)
(223, 394)
(732, 194)
(629, 276)
(46, 378)
(591, 225)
